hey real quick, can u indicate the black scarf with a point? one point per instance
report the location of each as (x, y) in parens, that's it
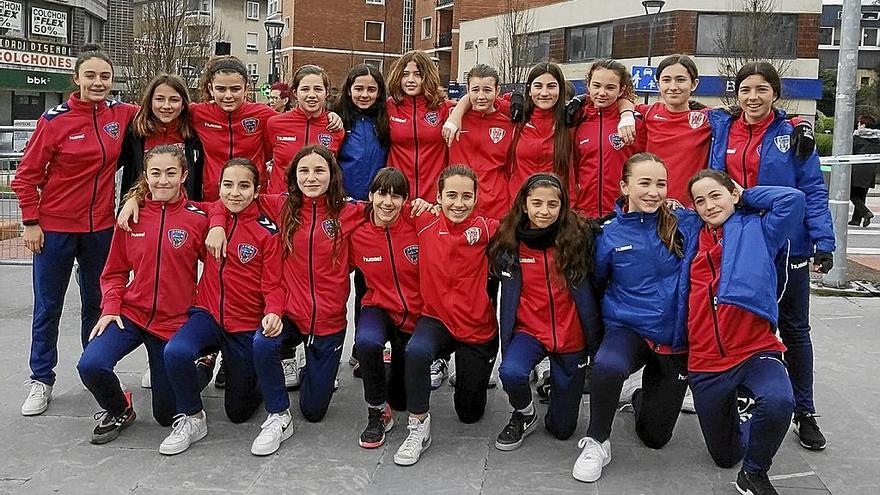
(537, 238)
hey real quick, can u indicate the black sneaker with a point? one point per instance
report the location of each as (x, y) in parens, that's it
(220, 379)
(519, 426)
(109, 426)
(379, 422)
(356, 370)
(754, 484)
(808, 431)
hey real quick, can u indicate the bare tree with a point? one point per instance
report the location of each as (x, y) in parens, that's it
(753, 32)
(514, 23)
(171, 36)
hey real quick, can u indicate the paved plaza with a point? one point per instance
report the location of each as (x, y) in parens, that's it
(51, 453)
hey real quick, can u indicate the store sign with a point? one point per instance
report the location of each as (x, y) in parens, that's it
(47, 22)
(21, 45)
(55, 82)
(31, 59)
(10, 15)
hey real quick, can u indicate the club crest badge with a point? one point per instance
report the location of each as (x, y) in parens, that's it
(112, 129)
(616, 141)
(432, 118)
(330, 228)
(250, 124)
(246, 253)
(696, 119)
(496, 134)
(412, 253)
(177, 237)
(325, 140)
(783, 143)
(472, 235)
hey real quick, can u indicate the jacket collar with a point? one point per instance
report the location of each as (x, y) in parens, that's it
(79, 105)
(631, 217)
(150, 204)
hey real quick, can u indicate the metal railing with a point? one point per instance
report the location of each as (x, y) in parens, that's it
(12, 250)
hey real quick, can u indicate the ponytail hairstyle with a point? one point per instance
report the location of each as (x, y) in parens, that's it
(290, 213)
(223, 64)
(387, 181)
(562, 135)
(718, 176)
(89, 51)
(140, 188)
(430, 78)
(574, 239)
(667, 222)
(627, 91)
(145, 123)
(688, 63)
(245, 164)
(348, 111)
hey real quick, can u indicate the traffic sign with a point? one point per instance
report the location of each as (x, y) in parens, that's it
(265, 89)
(644, 79)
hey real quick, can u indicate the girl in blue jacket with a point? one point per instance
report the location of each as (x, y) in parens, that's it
(640, 257)
(755, 148)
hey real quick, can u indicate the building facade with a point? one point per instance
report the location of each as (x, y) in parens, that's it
(869, 47)
(576, 32)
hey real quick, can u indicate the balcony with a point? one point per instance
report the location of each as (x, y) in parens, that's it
(444, 4)
(444, 40)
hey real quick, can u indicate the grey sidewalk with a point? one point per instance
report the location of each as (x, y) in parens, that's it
(51, 453)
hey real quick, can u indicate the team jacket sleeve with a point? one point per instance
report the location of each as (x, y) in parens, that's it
(271, 284)
(817, 216)
(784, 211)
(115, 277)
(216, 213)
(33, 169)
(603, 259)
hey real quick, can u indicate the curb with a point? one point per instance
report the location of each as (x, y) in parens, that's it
(854, 288)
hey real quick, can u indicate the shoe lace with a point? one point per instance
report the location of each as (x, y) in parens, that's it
(38, 388)
(374, 420)
(809, 419)
(592, 448)
(414, 438)
(182, 425)
(289, 366)
(516, 423)
(437, 366)
(275, 421)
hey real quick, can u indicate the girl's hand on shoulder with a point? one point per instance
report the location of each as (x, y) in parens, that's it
(102, 324)
(673, 204)
(626, 128)
(271, 325)
(128, 212)
(419, 206)
(334, 122)
(215, 243)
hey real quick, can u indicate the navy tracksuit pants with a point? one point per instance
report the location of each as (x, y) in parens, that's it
(473, 365)
(744, 412)
(793, 277)
(51, 276)
(567, 372)
(201, 335)
(317, 377)
(374, 328)
(656, 405)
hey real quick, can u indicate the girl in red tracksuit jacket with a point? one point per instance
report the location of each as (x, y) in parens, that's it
(228, 125)
(307, 123)
(148, 306)
(386, 250)
(457, 315)
(599, 150)
(65, 188)
(229, 307)
(416, 111)
(484, 139)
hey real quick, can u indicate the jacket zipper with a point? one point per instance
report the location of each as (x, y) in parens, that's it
(312, 274)
(222, 267)
(229, 115)
(308, 125)
(158, 263)
(416, 143)
(396, 279)
(713, 302)
(98, 175)
(601, 153)
(746, 152)
(552, 303)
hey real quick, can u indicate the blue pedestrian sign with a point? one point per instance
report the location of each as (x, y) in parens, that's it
(644, 80)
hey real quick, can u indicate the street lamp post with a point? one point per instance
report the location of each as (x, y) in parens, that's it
(652, 8)
(273, 31)
(255, 78)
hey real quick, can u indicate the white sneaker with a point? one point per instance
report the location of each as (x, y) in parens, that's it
(542, 372)
(439, 372)
(38, 398)
(418, 440)
(630, 385)
(277, 428)
(291, 373)
(186, 430)
(688, 404)
(146, 380)
(593, 457)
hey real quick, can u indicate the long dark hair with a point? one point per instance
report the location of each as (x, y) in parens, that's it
(291, 218)
(763, 69)
(145, 123)
(574, 239)
(562, 139)
(348, 111)
(667, 222)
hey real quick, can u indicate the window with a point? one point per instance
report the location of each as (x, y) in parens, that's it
(286, 30)
(865, 81)
(272, 8)
(426, 27)
(375, 2)
(870, 16)
(253, 11)
(492, 42)
(826, 34)
(375, 62)
(770, 37)
(251, 41)
(374, 31)
(869, 37)
(606, 39)
(535, 48)
(588, 42)
(253, 70)
(469, 45)
(199, 7)
(408, 17)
